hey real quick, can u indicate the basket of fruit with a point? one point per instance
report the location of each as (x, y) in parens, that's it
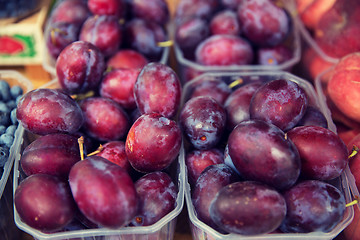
(263, 160)
(234, 36)
(134, 30)
(96, 165)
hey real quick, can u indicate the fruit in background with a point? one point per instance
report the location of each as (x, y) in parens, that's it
(59, 35)
(126, 58)
(70, 11)
(203, 121)
(104, 119)
(52, 154)
(79, 67)
(313, 64)
(153, 143)
(115, 8)
(195, 8)
(272, 56)
(238, 103)
(249, 203)
(313, 117)
(253, 143)
(311, 11)
(337, 27)
(354, 163)
(224, 50)
(114, 203)
(209, 183)
(157, 195)
(225, 22)
(44, 111)
(280, 102)
(150, 10)
(326, 164)
(352, 230)
(313, 206)
(190, 74)
(231, 4)
(215, 88)
(144, 37)
(118, 85)
(346, 133)
(114, 151)
(255, 17)
(197, 160)
(44, 202)
(343, 88)
(158, 89)
(102, 31)
(189, 33)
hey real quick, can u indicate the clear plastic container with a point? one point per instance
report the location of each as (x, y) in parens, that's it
(200, 230)
(320, 86)
(8, 229)
(293, 41)
(164, 229)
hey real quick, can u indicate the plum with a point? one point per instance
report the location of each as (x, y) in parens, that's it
(312, 206)
(323, 154)
(126, 58)
(102, 31)
(44, 202)
(114, 151)
(118, 85)
(158, 89)
(104, 119)
(211, 180)
(274, 56)
(281, 102)
(224, 50)
(52, 154)
(225, 22)
(70, 11)
(43, 111)
(261, 144)
(196, 8)
(157, 195)
(197, 160)
(79, 67)
(203, 121)
(248, 208)
(103, 191)
(151, 10)
(313, 116)
(153, 143)
(216, 89)
(115, 8)
(264, 23)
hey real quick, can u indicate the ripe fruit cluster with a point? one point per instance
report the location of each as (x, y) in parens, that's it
(239, 29)
(266, 166)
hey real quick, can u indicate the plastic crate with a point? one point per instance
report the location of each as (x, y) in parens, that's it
(164, 229)
(8, 229)
(292, 41)
(200, 230)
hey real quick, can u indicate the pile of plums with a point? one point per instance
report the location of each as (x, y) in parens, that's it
(233, 32)
(111, 26)
(106, 145)
(260, 156)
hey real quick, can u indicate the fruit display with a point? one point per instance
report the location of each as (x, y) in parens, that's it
(282, 159)
(246, 41)
(117, 25)
(88, 167)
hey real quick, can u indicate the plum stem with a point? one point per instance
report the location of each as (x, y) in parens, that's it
(83, 96)
(98, 150)
(352, 203)
(354, 151)
(81, 146)
(168, 43)
(236, 83)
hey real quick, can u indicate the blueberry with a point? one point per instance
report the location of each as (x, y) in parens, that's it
(4, 118)
(2, 129)
(6, 140)
(4, 107)
(16, 91)
(11, 104)
(5, 91)
(13, 117)
(4, 155)
(11, 129)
